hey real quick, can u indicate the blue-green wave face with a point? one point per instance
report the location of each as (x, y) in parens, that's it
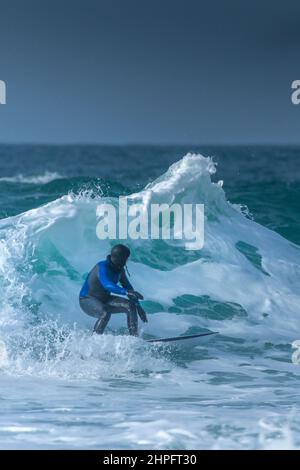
(49, 249)
(244, 283)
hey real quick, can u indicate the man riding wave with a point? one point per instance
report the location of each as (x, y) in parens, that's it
(97, 297)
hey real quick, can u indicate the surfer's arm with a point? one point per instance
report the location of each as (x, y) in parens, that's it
(108, 284)
(125, 282)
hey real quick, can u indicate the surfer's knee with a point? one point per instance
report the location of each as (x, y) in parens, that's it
(101, 323)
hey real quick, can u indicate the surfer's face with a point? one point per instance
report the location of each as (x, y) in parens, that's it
(118, 261)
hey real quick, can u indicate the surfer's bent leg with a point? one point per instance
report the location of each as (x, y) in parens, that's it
(95, 308)
(118, 305)
(103, 310)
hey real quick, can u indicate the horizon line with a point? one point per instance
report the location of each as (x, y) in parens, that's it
(149, 144)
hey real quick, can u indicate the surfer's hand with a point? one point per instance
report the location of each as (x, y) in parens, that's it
(134, 295)
(138, 295)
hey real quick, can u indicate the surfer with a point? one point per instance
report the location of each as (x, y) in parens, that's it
(96, 296)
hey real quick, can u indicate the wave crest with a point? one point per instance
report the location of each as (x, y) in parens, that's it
(244, 282)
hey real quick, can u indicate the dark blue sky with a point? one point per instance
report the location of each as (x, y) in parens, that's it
(167, 71)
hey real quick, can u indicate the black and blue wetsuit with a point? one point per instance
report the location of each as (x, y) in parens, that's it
(102, 281)
(96, 297)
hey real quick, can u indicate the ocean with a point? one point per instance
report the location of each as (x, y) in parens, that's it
(63, 388)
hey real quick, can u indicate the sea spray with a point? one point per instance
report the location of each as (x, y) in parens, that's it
(62, 387)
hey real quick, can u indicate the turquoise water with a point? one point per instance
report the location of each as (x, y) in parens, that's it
(62, 387)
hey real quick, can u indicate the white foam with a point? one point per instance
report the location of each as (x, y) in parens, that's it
(35, 179)
(54, 245)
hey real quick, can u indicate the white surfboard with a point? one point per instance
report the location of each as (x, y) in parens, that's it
(174, 339)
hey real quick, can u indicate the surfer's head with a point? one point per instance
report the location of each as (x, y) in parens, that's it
(119, 255)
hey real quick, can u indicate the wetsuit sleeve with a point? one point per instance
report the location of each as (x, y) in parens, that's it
(108, 284)
(125, 282)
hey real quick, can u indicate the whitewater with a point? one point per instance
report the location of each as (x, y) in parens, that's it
(64, 388)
